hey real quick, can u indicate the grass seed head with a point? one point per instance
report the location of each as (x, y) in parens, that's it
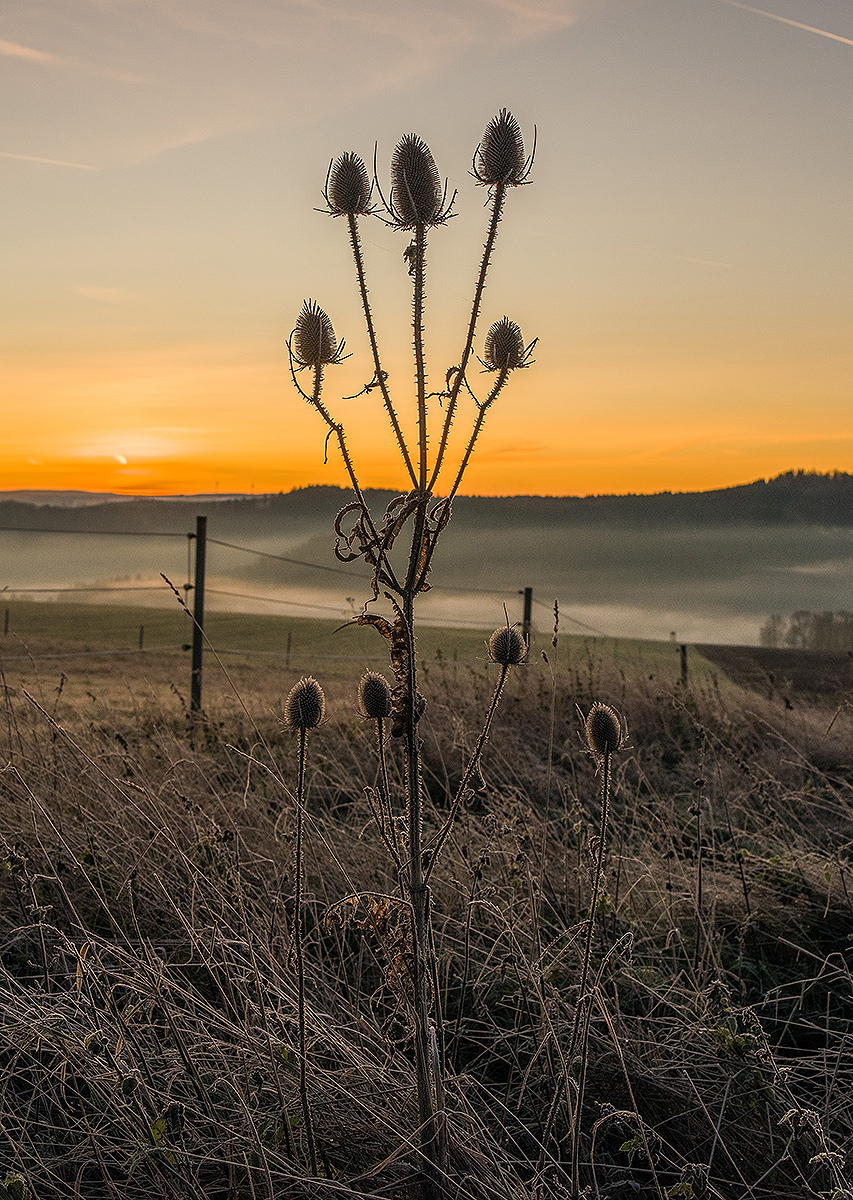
(305, 705)
(603, 730)
(500, 156)
(348, 189)
(374, 696)
(504, 346)
(416, 192)
(314, 337)
(507, 647)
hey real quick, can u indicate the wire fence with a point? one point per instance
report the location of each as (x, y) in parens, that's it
(344, 610)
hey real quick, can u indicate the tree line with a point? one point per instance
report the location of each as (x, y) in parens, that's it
(809, 630)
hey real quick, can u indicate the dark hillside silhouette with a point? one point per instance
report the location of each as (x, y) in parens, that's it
(795, 498)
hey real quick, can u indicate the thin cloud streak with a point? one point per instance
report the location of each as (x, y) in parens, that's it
(703, 262)
(225, 70)
(836, 37)
(45, 58)
(13, 50)
(419, 42)
(414, 24)
(541, 20)
(50, 162)
(109, 295)
(723, 438)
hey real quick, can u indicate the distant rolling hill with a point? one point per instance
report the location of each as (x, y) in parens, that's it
(796, 497)
(707, 565)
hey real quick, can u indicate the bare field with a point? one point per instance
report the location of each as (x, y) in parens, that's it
(808, 674)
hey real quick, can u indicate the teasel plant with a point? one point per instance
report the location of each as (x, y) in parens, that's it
(304, 709)
(605, 736)
(416, 202)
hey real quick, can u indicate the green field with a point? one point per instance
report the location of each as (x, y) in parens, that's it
(108, 627)
(43, 628)
(94, 649)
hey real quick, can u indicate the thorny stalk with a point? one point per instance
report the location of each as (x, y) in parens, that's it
(465, 783)
(699, 866)
(604, 736)
(380, 377)
(482, 409)
(300, 953)
(585, 1003)
(336, 428)
(429, 1087)
(497, 206)
(416, 203)
(418, 340)
(385, 815)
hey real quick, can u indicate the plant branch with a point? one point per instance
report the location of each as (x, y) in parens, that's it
(428, 1069)
(585, 1002)
(475, 433)
(419, 266)
(371, 333)
(473, 763)
(300, 959)
(483, 408)
(382, 812)
(497, 206)
(336, 428)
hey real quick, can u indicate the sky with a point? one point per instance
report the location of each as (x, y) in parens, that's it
(683, 252)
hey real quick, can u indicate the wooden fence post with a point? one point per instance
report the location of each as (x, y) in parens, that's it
(198, 612)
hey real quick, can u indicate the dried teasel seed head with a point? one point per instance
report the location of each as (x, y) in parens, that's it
(348, 189)
(416, 192)
(500, 156)
(603, 730)
(507, 647)
(305, 705)
(16, 1186)
(314, 337)
(504, 346)
(374, 696)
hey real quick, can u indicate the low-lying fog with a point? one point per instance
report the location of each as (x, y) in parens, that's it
(706, 584)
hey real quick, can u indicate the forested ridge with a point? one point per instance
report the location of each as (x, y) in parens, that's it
(796, 497)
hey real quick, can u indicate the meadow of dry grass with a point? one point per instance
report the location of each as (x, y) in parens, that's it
(148, 1038)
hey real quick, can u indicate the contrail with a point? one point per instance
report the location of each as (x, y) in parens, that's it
(836, 37)
(51, 162)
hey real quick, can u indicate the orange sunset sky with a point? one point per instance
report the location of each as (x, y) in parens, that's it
(683, 253)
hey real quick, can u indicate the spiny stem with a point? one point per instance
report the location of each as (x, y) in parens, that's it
(300, 960)
(466, 968)
(338, 430)
(371, 333)
(473, 763)
(429, 1087)
(478, 425)
(475, 433)
(386, 793)
(696, 953)
(583, 1001)
(497, 206)
(382, 813)
(415, 574)
(418, 338)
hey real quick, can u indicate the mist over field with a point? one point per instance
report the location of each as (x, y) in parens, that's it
(708, 566)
